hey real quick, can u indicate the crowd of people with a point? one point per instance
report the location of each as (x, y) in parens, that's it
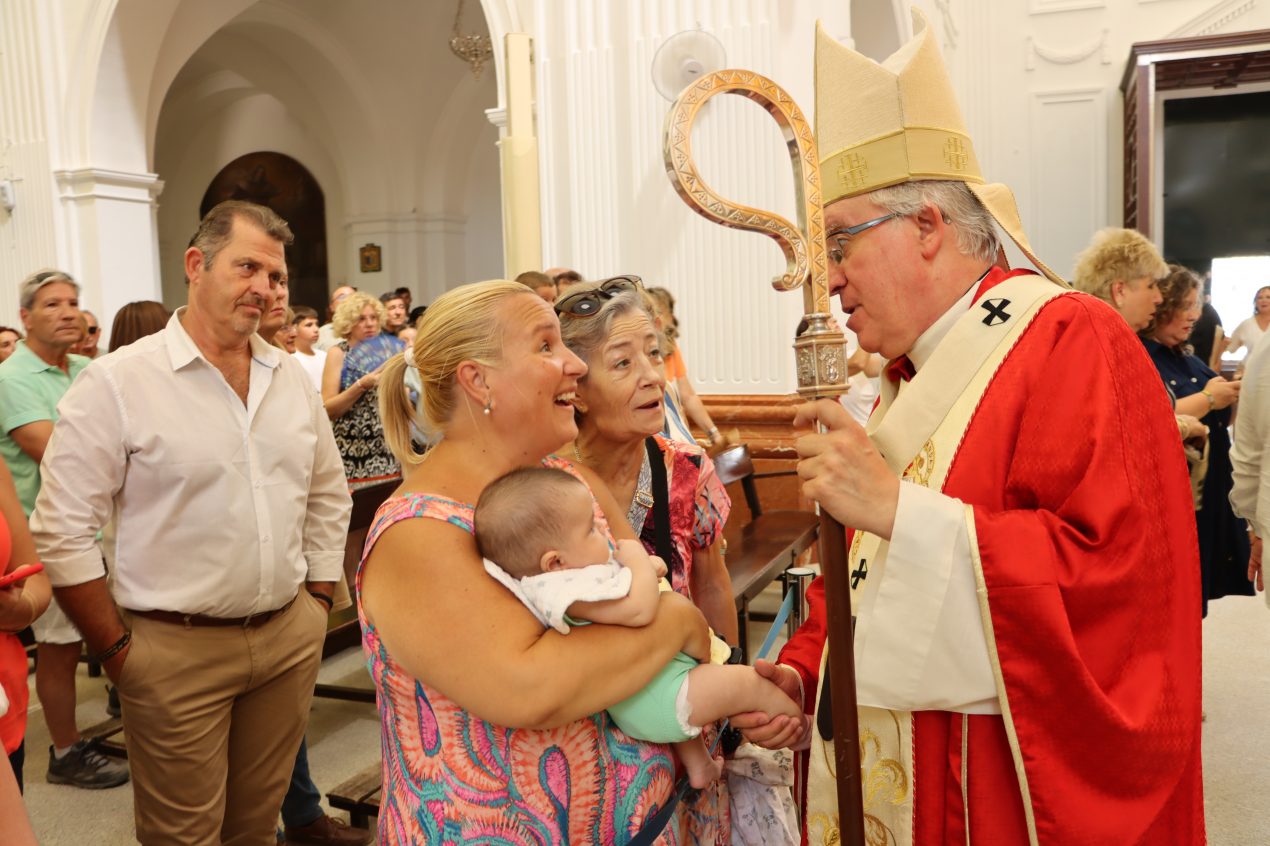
(1038, 499)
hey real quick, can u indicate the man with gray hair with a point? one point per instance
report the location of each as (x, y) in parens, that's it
(32, 382)
(326, 332)
(213, 453)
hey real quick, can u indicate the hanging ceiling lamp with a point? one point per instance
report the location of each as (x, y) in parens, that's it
(474, 49)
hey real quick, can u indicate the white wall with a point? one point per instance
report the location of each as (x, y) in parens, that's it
(608, 206)
(108, 100)
(194, 151)
(1039, 84)
(114, 98)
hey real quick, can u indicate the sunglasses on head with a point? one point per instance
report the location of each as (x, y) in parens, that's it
(589, 302)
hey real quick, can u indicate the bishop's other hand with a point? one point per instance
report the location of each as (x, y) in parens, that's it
(841, 470)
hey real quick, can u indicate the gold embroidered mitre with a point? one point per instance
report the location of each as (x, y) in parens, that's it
(878, 125)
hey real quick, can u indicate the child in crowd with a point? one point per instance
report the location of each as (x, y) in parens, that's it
(539, 525)
(305, 321)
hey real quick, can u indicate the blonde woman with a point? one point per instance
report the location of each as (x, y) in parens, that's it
(1123, 268)
(492, 727)
(349, 379)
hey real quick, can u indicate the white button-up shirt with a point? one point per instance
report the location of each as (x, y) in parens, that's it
(220, 509)
(1249, 455)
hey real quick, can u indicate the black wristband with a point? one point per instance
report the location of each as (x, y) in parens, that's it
(326, 600)
(114, 649)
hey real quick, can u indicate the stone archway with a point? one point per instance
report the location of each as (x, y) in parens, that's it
(285, 185)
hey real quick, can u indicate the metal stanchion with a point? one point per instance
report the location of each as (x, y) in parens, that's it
(796, 578)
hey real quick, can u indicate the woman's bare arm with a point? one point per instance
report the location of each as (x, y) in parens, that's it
(19, 607)
(712, 591)
(337, 402)
(695, 408)
(456, 629)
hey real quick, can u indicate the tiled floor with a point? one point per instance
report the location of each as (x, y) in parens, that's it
(344, 739)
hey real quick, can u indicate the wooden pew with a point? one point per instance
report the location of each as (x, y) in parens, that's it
(359, 796)
(757, 552)
(343, 629)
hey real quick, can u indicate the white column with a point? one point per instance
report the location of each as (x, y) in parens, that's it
(28, 234)
(518, 156)
(113, 236)
(608, 206)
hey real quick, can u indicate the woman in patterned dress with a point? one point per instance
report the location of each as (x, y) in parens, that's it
(349, 389)
(493, 729)
(619, 407)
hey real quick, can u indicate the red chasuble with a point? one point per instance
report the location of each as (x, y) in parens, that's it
(1084, 524)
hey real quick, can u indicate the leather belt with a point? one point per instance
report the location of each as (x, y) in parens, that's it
(191, 620)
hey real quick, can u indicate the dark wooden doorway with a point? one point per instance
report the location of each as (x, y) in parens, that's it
(1205, 62)
(286, 186)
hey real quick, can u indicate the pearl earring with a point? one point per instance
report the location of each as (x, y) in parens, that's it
(489, 405)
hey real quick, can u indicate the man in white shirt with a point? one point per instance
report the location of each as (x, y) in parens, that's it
(213, 454)
(1250, 496)
(326, 332)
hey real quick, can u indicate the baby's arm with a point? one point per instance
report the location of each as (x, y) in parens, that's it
(639, 606)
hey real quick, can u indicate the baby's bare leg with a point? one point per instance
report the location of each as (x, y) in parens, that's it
(701, 768)
(716, 691)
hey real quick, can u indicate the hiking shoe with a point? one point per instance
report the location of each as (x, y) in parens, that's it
(85, 766)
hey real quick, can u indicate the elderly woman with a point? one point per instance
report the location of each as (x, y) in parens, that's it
(620, 416)
(494, 729)
(1223, 538)
(349, 380)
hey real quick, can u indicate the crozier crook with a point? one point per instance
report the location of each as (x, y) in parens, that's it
(819, 352)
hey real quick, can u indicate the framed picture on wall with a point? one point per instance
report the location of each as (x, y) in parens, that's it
(370, 258)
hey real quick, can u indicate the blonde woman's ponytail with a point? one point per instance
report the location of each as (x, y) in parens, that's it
(395, 410)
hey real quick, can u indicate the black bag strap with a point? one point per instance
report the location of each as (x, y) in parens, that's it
(661, 500)
(655, 824)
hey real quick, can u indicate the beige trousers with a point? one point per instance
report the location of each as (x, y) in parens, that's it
(213, 718)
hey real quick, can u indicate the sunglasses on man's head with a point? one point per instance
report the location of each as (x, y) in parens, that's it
(589, 302)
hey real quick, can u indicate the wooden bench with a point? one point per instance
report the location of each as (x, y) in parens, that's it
(359, 796)
(343, 629)
(757, 552)
(109, 736)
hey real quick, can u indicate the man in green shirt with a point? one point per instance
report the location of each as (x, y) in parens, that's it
(32, 382)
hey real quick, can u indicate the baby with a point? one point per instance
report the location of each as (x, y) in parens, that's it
(539, 525)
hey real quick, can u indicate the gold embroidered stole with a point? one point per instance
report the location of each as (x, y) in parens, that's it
(918, 432)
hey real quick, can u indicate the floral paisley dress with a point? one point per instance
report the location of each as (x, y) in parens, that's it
(450, 777)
